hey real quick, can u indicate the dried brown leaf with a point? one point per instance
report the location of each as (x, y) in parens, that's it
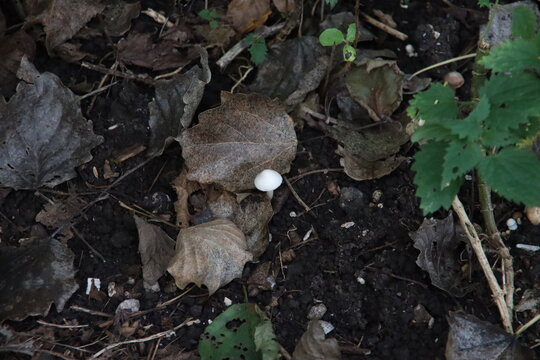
(184, 188)
(313, 345)
(284, 6)
(118, 15)
(156, 249)
(12, 48)
(247, 15)
(211, 254)
(235, 141)
(360, 169)
(59, 213)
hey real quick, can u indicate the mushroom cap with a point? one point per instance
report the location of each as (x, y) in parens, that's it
(268, 180)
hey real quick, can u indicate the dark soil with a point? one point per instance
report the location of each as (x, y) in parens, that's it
(357, 257)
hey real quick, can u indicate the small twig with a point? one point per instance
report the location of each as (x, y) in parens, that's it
(234, 51)
(315, 114)
(144, 78)
(385, 28)
(324, 171)
(295, 194)
(94, 251)
(528, 324)
(497, 292)
(101, 84)
(442, 63)
(148, 338)
(59, 355)
(168, 75)
(97, 91)
(90, 311)
(284, 353)
(61, 326)
(242, 78)
(157, 17)
(175, 299)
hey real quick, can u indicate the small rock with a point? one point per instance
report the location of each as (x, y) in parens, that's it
(132, 305)
(317, 312)
(352, 199)
(326, 326)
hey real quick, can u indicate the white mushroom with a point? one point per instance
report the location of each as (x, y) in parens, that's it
(268, 180)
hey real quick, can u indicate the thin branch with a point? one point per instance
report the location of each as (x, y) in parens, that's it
(385, 28)
(296, 196)
(148, 338)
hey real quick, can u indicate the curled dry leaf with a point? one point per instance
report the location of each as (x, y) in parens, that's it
(118, 15)
(377, 85)
(175, 103)
(292, 70)
(360, 169)
(438, 242)
(211, 254)
(235, 141)
(313, 345)
(43, 135)
(472, 339)
(34, 277)
(247, 15)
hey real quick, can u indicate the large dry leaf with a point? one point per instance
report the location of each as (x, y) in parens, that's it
(62, 19)
(156, 249)
(234, 142)
(251, 215)
(43, 135)
(361, 169)
(472, 339)
(118, 15)
(12, 48)
(438, 242)
(377, 85)
(34, 277)
(247, 15)
(292, 70)
(59, 214)
(314, 346)
(175, 103)
(211, 254)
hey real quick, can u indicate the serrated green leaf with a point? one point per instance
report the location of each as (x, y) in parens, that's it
(523, 22)
(265, 340)
(513, 173)
(428, 167)
(431, 131)
(331, 37)
(351, 33)
(515, 55)
(470, 128)
(436, 104)
(460, 158)
(519, 89)
(258, 51)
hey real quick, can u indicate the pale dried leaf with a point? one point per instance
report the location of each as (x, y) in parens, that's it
(313, 345)
(211, 254)
(360, 169)
(247, 15)
(34, 277)
(235, 141)
(156, 249)
(43, 136)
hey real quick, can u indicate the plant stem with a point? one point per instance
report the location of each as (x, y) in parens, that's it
(476, 244)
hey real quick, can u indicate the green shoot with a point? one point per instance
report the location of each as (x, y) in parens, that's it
(257, 48)
(333, 37)
(210, 15)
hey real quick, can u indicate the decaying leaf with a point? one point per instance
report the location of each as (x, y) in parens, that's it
(247, 15)
(292, 70)
(59, 213)
(184, 188)
(43, 135)
(360, 169)
(34, 277)
(235, 141)
(118, 15)
(314, 346)
(156, 249)
(220, 36)
(140, 50)
(175, 103)
(377, 85)
(211, 254)
(284, 6)
(472, 339)
(438, 242)
(12, 48)
(62, 19)
(251, 215)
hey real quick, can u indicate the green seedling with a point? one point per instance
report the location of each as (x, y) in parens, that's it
(210, 15)
(333, 37)
(331, 3)
(257, 48)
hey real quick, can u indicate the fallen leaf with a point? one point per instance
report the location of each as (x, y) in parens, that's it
(211, 254)
(60, 213)
(175, 103)
(43, 135)
(415, 84)
(12, 48)
(360, 169)
(284, 6)
(72, 53)
(377, 85)
(472, 339)
(62, 19)
(438, 242)
(156, 249)
(184, 189)
(34, 277)
(313, 345)
(118, 15)
(139, 49)
(292, 70)
(247, 15)
(221, 36)
(235, 141)
(21, 343)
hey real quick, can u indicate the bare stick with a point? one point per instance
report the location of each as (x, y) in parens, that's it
(90, 311)
(94, 251)
(528, 324)
(145, 79)
(497, 292)
(243, 44)
(385, 28)
(295, 194)
(97, 91)
(148, 338)
(60, 326)
(324, 171)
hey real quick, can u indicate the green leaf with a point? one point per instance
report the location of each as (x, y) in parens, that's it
(518, 89)
(431, 131)
(240, 332)
(436, 105)
(460, 158)
(516, 55)
(349, 53)
(258, 50)
(485, 3)
(513, 173)
(208, 14)
(351, 33)
(428, 166)
(471, 127)
(331, 37)
(523, 22)
(332, 3)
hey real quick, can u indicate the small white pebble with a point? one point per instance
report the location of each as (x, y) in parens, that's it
(92, 281)
(528, 247)
(130, 304)
(468, 177)
(307, 235)
(111, 289)
(421, 122)
(317, 312)
(326, 326)
(512, 224)
(365, 232)
(227, 301)
(292, 214)
(348, 224)
(361, 280)
(409, 49)
(209, 321)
